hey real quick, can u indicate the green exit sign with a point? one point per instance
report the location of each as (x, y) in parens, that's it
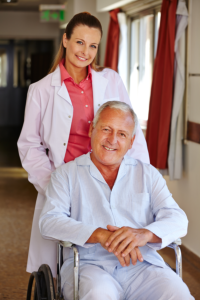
(52, 15)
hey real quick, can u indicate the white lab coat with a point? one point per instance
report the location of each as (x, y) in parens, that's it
(47, 123)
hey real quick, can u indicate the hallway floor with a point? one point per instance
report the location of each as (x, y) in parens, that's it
(17, 201)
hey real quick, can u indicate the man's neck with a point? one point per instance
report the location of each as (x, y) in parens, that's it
(109, 172)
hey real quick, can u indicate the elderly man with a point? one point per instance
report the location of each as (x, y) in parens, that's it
(118, 211)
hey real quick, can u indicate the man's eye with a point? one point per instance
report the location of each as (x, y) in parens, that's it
(122, 134)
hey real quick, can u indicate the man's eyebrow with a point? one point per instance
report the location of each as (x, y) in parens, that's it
(121, 131)
(84, 41)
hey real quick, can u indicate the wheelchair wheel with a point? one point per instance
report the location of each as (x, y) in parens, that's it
(44, 287)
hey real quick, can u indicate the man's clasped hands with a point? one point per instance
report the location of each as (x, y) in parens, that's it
(124, 242)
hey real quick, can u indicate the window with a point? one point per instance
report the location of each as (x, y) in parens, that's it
(3, 68)
(144, 38)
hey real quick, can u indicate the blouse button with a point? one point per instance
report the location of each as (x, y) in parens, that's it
(64, 144)
(86, 105)
(69, 116)
(82, 92)
(98, 104)
(89, 121)
(41, 143)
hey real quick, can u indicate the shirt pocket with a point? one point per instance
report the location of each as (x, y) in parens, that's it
(140, 208)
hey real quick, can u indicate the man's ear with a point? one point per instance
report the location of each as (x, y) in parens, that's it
(132, 140)
(90, 130)
(65, 40)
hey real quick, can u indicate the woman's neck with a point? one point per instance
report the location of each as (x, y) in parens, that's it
(78, 74)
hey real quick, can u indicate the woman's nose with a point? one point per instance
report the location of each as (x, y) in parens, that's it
(85, 50)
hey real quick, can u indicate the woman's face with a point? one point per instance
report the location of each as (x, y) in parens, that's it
(82, 47)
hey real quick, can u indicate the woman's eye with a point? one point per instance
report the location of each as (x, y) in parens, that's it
(79, 42)
(93, 46)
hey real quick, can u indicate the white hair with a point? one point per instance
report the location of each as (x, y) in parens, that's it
(117, 105)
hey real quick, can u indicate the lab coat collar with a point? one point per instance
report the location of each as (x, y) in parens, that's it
(56, 81)
(99, 84)
(56, 77)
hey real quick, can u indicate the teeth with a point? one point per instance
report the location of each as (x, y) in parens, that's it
(108, 148)
(81, 58)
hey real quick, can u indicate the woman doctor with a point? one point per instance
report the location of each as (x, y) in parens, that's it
(59, 110)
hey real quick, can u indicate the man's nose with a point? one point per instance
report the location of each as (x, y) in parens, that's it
(112, 139)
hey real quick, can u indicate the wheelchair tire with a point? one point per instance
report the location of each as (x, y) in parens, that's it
(46, 283)
(44, 286)
(37, 294)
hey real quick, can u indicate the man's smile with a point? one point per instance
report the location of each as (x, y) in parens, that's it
(109, 149)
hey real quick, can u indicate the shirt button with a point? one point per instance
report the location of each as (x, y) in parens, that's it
(89, 121)
(98, 104)
(64, 144)
(82, 92)
(86, 105)
(69, 116)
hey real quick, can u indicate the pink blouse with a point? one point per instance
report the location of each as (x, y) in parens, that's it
(81, 96)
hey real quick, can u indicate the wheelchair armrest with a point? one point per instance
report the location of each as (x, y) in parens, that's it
(175, 245)
(66, 244)
(61, 245)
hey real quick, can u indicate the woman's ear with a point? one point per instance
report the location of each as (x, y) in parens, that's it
(65, 40)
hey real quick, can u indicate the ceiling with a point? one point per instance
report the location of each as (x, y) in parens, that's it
(27, 5)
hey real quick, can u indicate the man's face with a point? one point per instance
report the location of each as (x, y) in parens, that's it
(112, 137)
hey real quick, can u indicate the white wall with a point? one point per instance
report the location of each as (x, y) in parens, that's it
(25, 25)
(187, 190)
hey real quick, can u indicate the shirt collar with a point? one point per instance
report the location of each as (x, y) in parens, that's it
(85, 160)
(65, 75)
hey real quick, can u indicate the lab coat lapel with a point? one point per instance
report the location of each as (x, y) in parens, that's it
(99, 84)
(62, 91)
(61, 119)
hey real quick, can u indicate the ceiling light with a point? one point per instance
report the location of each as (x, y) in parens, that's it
(9, 1)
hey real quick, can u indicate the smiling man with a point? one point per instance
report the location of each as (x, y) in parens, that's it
(118, 211)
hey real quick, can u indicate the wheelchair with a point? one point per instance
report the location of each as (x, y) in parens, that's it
(44, 285)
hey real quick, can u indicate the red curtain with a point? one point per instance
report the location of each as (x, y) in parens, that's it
(112, 46)
(158, 126)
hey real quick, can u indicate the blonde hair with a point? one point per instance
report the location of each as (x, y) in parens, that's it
(84, 18)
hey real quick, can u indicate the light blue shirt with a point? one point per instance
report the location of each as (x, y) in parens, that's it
(78, 201)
